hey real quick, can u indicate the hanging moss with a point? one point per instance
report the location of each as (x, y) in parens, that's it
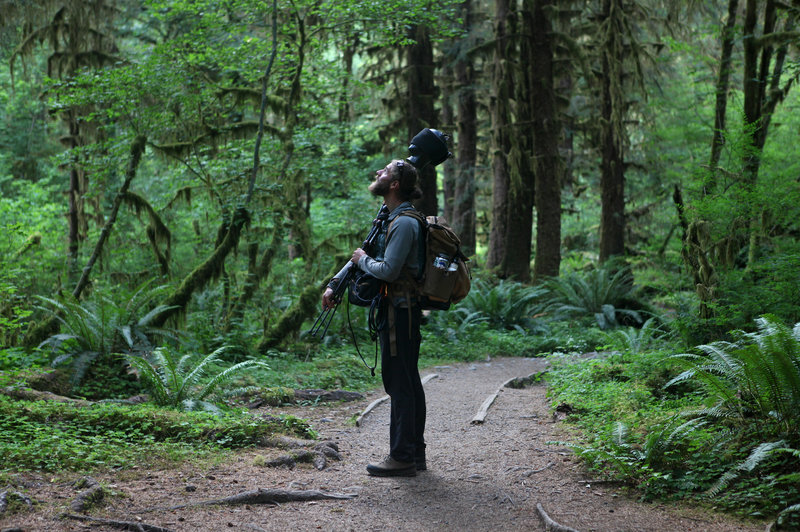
(291, 320)
(208, 271)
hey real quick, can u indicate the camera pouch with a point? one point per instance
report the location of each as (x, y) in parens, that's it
(364, 289)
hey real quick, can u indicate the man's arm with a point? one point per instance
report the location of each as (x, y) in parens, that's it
(398, 245)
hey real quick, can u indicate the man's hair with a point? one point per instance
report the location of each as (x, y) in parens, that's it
(405, 173)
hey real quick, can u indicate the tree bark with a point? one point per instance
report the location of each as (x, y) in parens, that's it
(721, 105)
(612, 101)
(137, 149)
(546, 130)
(463, 218)
(448, 124)
(500, 112)
(420, 112)
(521, 176)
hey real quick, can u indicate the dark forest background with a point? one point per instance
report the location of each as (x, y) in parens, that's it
(179, 180)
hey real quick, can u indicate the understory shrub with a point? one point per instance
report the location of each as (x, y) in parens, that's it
(718, 425)
(94, 331)
(185, 382)
(605, 294)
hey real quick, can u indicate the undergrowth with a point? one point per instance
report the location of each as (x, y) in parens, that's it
(50, 436)
(717, 425)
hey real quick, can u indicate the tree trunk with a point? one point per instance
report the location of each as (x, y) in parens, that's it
(521, 177)
(74, 200)
(448, 172)
(546, 130)
(500, 112)
(463, 217)
(612, 102)
(720, 108)
(420, 112)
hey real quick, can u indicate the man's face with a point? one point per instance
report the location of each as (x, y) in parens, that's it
(383, 181)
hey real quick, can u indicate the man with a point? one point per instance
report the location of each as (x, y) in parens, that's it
(397, 262)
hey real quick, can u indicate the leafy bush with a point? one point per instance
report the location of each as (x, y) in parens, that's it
(181, 383)
(770, 283)
(604, 293)
(722, 429)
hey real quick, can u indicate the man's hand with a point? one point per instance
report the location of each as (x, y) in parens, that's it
(357, 254)
(327, 299)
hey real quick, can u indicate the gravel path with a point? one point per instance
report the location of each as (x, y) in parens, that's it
(488, 476)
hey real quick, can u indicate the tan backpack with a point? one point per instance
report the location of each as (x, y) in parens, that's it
(445, 278)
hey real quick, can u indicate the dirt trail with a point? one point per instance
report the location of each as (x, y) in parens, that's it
(480, 477)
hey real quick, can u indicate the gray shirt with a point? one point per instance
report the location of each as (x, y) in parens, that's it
(402, 248)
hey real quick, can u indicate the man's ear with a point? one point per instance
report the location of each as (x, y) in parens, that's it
(394, 184)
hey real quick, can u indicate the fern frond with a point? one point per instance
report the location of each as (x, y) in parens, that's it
(228, 374)
(756, 457)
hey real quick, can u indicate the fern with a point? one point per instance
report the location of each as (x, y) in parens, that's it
(760, 453)
(602, 293)
(757, 378)
(505, 305)
(178, 383)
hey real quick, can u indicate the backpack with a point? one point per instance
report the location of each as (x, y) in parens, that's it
(445, 277)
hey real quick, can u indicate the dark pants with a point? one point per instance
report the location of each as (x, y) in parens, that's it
(402, 382)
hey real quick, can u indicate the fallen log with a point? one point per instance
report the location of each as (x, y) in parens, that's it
(318, 456)
(380, 400)
(551, 525)
(524, 382)
(480, 417)
(6, 495)
(36, 395)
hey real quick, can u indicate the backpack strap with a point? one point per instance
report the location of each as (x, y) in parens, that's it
(406, 285)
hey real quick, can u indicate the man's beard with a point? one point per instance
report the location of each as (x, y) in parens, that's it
(379, 188)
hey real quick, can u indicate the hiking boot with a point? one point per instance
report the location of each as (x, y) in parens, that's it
(392, 468)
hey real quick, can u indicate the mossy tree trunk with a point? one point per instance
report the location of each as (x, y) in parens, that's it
(420, 111)
(463, 217)
(546, 133)
(500, 112)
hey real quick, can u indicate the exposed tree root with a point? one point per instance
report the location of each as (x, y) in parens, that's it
(36, 395)
(325, 395)
(484, 409)
(92, 493)
(380, 400)
(551, 525)
(318, 456)
(516, 382)
(524, 382)
(121, 525)
(6, 495)
(370, 408)
(266, 496)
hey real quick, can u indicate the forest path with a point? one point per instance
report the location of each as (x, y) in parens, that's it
(488, 476)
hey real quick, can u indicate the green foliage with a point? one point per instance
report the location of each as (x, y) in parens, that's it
(720, 429)
(604, 293)
(769, 284)
(182, 383)
(754, 381)
(94, 329)
(633, 341)
(503, 305)
(51, 436)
